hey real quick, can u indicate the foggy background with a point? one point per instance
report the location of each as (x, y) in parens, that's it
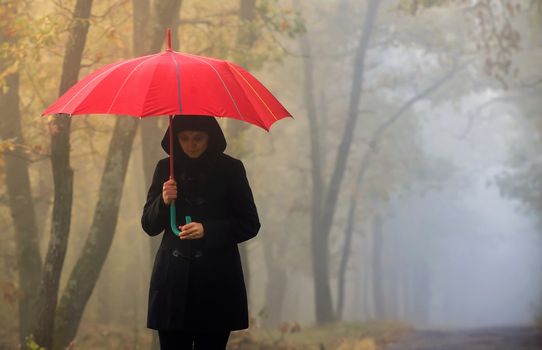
(435, 219)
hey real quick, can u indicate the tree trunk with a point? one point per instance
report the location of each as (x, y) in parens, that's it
(378, 288)
(365, 165)
(245, 40)
(368, 299)
(341, 281)
(330, 203)
(142, 9)
(246, 35)
(420, 293)
(323, 212)
(63, 181)
(19, 193)
(364, 297)
(87, 268)
(275, 289)
(324, 309)
(105, 305)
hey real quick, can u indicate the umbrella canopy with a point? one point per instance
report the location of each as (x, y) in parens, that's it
(172, 83)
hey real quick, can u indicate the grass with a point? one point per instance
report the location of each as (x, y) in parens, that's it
(336, 336)
(538, 321)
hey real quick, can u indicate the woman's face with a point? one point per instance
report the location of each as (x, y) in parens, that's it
(193, 143)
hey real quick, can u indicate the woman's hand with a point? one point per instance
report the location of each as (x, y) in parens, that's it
(169, 191)
(193, 230)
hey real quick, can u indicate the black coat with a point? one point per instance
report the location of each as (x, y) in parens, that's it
(188, 291)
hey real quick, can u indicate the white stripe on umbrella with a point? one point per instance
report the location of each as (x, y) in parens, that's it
(222, 81)
(253, 90)
(126, 79)
(178, 83)
(96, 77)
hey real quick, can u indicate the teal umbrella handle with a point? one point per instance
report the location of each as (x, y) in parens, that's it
(173, 219)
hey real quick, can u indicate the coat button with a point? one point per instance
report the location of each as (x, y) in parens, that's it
(176, 253)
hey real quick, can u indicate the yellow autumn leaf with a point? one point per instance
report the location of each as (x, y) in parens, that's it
(363, 344)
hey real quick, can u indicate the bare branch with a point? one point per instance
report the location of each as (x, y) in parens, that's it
(59, 4)
(525, 90)
(377, 136)
(195, 21)
(108, 10)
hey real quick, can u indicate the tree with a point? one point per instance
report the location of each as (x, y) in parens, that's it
(63, 180)
(494, 31)
(246, 36)
(376, 139)
(17, 172)
(324, 198)
(87, 269)
(522, 180)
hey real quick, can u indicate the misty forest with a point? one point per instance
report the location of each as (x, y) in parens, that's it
(400, 206)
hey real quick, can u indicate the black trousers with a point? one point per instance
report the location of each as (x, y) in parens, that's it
(181, 340)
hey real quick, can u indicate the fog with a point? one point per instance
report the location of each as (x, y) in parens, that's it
(482, 252)
(480, 256)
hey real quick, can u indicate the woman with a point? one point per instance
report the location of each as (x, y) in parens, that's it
(197, 293)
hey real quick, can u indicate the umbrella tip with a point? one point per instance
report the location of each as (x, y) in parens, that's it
(168, 39)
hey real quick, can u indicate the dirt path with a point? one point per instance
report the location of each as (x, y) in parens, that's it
(482, 339)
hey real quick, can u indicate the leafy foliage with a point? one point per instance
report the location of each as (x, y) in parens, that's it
(214, 29)
(25, 35)
(32, 345)
(494, 30)
(338, 336)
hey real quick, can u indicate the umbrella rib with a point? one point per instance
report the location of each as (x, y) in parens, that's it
(126, 79)
(92, 80)
(179, 98)
(253, 90)
(223, 84)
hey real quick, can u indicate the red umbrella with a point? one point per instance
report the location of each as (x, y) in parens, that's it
(172, 83)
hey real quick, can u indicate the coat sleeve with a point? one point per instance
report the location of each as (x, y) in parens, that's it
(155, 213)
(243, 224)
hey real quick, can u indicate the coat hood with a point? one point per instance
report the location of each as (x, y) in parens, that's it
(217, 141)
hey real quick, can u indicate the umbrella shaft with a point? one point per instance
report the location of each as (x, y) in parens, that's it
(171, 174)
